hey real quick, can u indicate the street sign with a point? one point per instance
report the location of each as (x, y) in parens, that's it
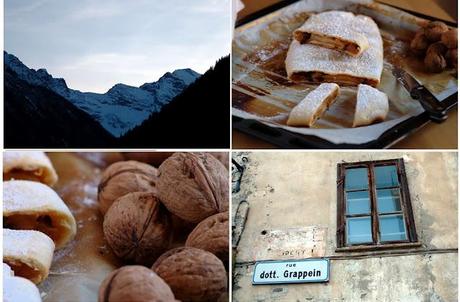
(291, 271)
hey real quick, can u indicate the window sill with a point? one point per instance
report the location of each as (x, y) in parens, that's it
(361, 248)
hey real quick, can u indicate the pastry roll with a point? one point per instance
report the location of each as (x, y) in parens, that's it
(335, 30)
(18, 289)
(316, 64)
(29, 205)
(28, 253)
(371, 106)
(313, 105)
(7, 271)
(30, 165)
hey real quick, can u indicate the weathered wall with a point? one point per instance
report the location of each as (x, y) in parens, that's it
(292, 199)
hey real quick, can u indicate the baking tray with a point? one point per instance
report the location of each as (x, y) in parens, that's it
(289, 139)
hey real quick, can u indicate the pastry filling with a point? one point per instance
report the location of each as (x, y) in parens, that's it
(320, 77)
(328, 42)
(23, 270)
(34, 175)
(42, 223)
(325, 105)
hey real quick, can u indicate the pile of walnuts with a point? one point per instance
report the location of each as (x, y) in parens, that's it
(170, 225)
(437, 44)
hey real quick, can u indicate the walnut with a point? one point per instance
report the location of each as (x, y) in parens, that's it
(434, 30)
(419, 44)
(192, 274)
(193, 186)
(153, 158)
(449, 38)
(212, 235)
(435, 62)
(452, 57)
(134, 283)
(125, 177)
(438, 48)
(222, 157)
(137, 227)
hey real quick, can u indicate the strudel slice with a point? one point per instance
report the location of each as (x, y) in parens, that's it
(30, 165)
(28, 253)
(310, 109)
(312, 63)
(29, 205)
(371, 106)
(335, 30)
(17, 289)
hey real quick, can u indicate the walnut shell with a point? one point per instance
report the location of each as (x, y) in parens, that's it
(192, 274)
(193, 186)
(212, 235)
(450, 38)
(452, 57)
(122, 178)
(153, 158)
(438, 48)
(434, 30)
(134, 283)
(137, 228)
(419, 44)
(435, 62)
(223, 157)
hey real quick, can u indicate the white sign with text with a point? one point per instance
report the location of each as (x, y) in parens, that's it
(291, 271)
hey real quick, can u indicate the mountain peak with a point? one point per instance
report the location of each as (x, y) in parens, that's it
(187, 75)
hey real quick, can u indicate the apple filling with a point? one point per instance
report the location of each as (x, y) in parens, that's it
(328, 42)
(42, 223)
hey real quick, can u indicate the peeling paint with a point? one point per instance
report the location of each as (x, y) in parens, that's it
(296, 192)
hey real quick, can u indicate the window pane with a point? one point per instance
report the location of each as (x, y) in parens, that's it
(359, 230)
(356, 179)
(388, 200)
(392, 228)
(386, 176)
(358, 202)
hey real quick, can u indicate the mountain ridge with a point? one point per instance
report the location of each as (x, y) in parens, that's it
(36, 117)
(123, 106)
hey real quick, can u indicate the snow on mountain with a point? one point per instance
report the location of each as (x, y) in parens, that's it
(122, 107)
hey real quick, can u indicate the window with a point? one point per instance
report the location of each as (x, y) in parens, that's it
(373, 205)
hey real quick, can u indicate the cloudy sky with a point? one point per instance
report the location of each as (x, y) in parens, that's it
(94, 44)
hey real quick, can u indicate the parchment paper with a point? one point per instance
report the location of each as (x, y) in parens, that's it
(78, 269)
(261, 90)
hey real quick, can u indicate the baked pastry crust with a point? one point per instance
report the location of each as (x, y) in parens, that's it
(28, 253)
(312, 63)
(371, 106)
(335, 30)
(29, 205)
(17, 289)
(310, 109)
(29, 165)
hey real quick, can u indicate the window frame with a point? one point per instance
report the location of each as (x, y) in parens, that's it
(405, 203)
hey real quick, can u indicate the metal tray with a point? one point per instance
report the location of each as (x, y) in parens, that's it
(289, 139)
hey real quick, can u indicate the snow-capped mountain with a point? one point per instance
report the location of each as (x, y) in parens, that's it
(119, 109)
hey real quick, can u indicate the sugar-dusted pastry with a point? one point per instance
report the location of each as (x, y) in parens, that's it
(371, 106)
(28, 253)
(312, 63)
(29, 205)
(7, 271)
(335, 30)
(18, 289)
(313, 105)
(30, 165)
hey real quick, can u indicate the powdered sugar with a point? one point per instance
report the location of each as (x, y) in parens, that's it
(311, 58)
